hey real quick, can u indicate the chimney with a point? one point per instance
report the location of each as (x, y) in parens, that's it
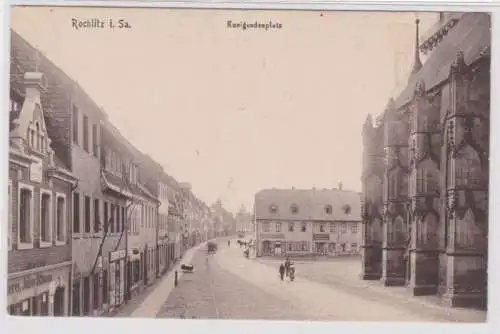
(340, 186)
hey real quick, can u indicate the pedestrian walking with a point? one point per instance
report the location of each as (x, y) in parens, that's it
(176, 278)
(292, 273)
(229, 243)
(282, 271)
(287, 266)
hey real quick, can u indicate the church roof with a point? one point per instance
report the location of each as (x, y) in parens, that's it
(471, 35)
(311, 204)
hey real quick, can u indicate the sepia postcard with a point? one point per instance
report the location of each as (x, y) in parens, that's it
(239, 164)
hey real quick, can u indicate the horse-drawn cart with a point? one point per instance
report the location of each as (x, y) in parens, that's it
(211, 247)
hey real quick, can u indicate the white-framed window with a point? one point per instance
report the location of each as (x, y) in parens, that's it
(26, 203)
(61, 219)
(344, 228)
(322, 228)
(354, 228)
(45, 218)
(265, 227)
(278, 227)
(333, 228)
(9, 224)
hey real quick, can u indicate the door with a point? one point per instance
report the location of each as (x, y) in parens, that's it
(59, 302)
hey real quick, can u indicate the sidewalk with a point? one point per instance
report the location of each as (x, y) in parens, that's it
(149, 301)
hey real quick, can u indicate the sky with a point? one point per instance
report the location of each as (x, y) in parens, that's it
(234, 111)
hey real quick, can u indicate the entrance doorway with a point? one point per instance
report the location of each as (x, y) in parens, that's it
(59, 302)
(277, 248)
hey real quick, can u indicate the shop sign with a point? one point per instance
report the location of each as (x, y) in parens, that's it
(321, 236)
(28, 282)
(36, 171)
(117, 255)
(272, 236)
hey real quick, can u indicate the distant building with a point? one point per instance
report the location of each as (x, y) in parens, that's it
(244, 221)
(296, 222)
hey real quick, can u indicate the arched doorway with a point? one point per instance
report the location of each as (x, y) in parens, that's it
(59, 302)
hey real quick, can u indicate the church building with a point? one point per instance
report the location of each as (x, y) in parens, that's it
(425, 170)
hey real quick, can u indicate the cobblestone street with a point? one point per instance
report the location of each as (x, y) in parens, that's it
(227, 285)
(212, 292)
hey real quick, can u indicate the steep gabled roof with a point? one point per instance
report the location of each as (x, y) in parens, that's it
(471, 35)
(311, 204)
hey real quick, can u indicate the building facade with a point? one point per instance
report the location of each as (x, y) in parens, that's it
(296, 222)
(88, 220)
(244, 221)
(39, 210)
(425, 178)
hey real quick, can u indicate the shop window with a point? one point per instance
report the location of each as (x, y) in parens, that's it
(61, 216)
(88, 214)
(322, 228)
(278, 227)
(332, 246)
(354, 246)
(86, 296)
(95, 290)
(76, 213)
(290, 227)
(105, 287)
(76, 299)
(137, 271)
(97, 215)
(25, 220)
(45, 218)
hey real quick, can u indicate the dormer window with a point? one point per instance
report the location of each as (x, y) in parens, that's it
(347, 209)
(273, 208)
(328, 209)
(294, 208)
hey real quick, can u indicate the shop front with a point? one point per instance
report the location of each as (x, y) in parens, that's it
(272, 244)
(116, 278)
(321, 241)
(40, 292)
(134, 277)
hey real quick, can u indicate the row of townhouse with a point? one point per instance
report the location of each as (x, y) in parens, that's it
(91, 219)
